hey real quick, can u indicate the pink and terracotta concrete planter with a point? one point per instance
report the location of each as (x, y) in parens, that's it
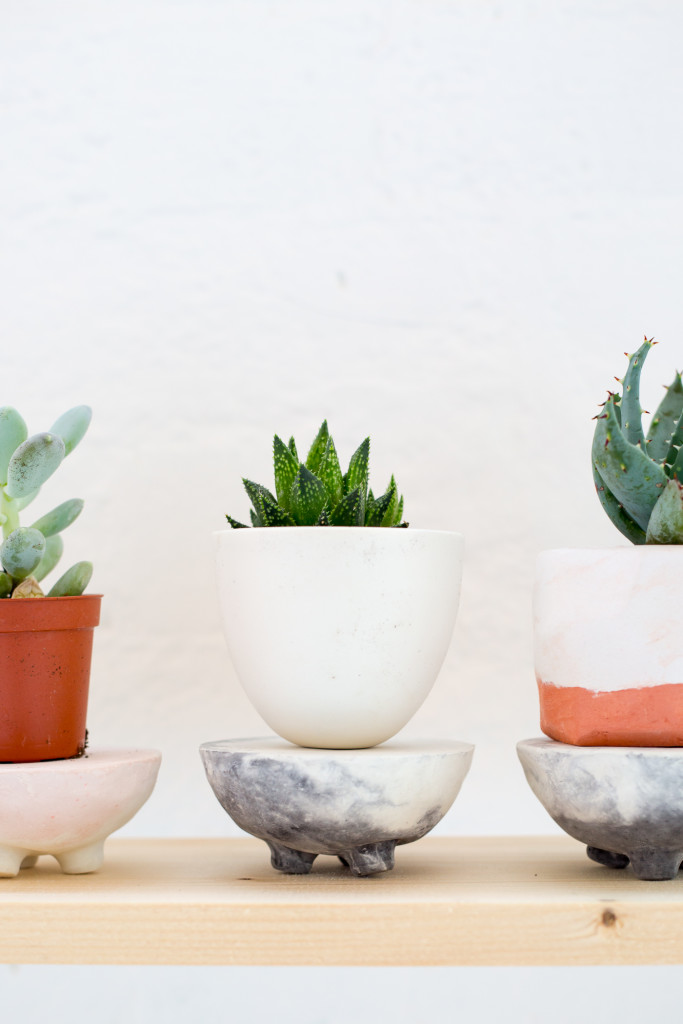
(609, 645)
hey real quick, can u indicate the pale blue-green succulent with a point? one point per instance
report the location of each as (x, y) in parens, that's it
(638, 476)
(29, 553)
(317, 493)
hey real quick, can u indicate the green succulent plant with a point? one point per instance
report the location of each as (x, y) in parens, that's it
(639, 477)
(317, 493)
(29, 553)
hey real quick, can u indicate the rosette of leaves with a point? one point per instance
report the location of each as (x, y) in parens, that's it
(29, 553)
(317, 493)
(638, 476)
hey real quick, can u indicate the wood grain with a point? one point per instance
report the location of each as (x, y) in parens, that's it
(488, 901)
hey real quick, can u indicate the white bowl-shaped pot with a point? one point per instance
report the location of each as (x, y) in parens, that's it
(338, 633)
(609, 645)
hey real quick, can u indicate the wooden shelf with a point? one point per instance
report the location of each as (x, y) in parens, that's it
(494, 900)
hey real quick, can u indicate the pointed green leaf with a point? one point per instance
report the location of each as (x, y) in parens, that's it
(331, 475)
(32, 463)
(72, 425)
(666, 521)
(13, 432)
(631, 413)
(22, 551)
(375, 512)
(292, 448)
(359, 469)
(317, 449)
(73, 582)
(616, 512)
(389, 518)
(255, 491)
(347, 512)
(59, 518)
(665, 421)
(271, 514)
(308, 497)
(255, 518)
(54, 548)
(6, 585)
(399, 514)
(235, 524)
(632, 477)
(286, 467)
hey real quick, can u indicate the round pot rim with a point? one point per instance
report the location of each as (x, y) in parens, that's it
(336, 530)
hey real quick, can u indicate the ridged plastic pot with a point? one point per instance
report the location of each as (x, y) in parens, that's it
(609, 645)
(45, 655)
(337, 634)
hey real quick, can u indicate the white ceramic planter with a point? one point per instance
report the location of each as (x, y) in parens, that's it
(338, 633)
(609, 645)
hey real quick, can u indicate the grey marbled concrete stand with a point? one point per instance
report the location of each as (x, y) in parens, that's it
(624, 803)
(357, 805)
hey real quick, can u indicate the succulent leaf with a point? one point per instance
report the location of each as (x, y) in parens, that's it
(666, 521)
(630, 474)
(73, 582)
(255, 518)
(292, 448)
(255, 491)
(308, 497)
(616, 512)
(331, 475)
(33, 463)
(286, 466)
(347, 512)
(665, 421)
(22, 551)
(59, 518)
(72, 425)
(317, 449)
(25, 501)
(54, 549)
(358, 471)
(631, 418)
(389, 518)
(399, 514)
(271, 514)
(13, 432)
(6, 585)
(376, 512)
(235, 524)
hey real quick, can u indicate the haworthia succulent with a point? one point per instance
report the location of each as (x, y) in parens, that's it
(317, 493)
(33, 463)
(21, 552)
(73, 582)
(13, 432)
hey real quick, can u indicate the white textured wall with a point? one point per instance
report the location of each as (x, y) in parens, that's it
(434, 221)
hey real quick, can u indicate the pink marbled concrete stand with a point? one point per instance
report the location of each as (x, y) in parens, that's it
(68, 808)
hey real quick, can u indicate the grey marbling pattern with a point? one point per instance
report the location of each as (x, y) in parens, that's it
(354, 804)
(624, 803)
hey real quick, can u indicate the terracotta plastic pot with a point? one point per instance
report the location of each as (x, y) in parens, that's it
(609, 645)
(45, 653)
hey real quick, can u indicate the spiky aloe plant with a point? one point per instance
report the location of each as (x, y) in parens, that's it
(317, 493)
(29, 553)
(638, 477)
